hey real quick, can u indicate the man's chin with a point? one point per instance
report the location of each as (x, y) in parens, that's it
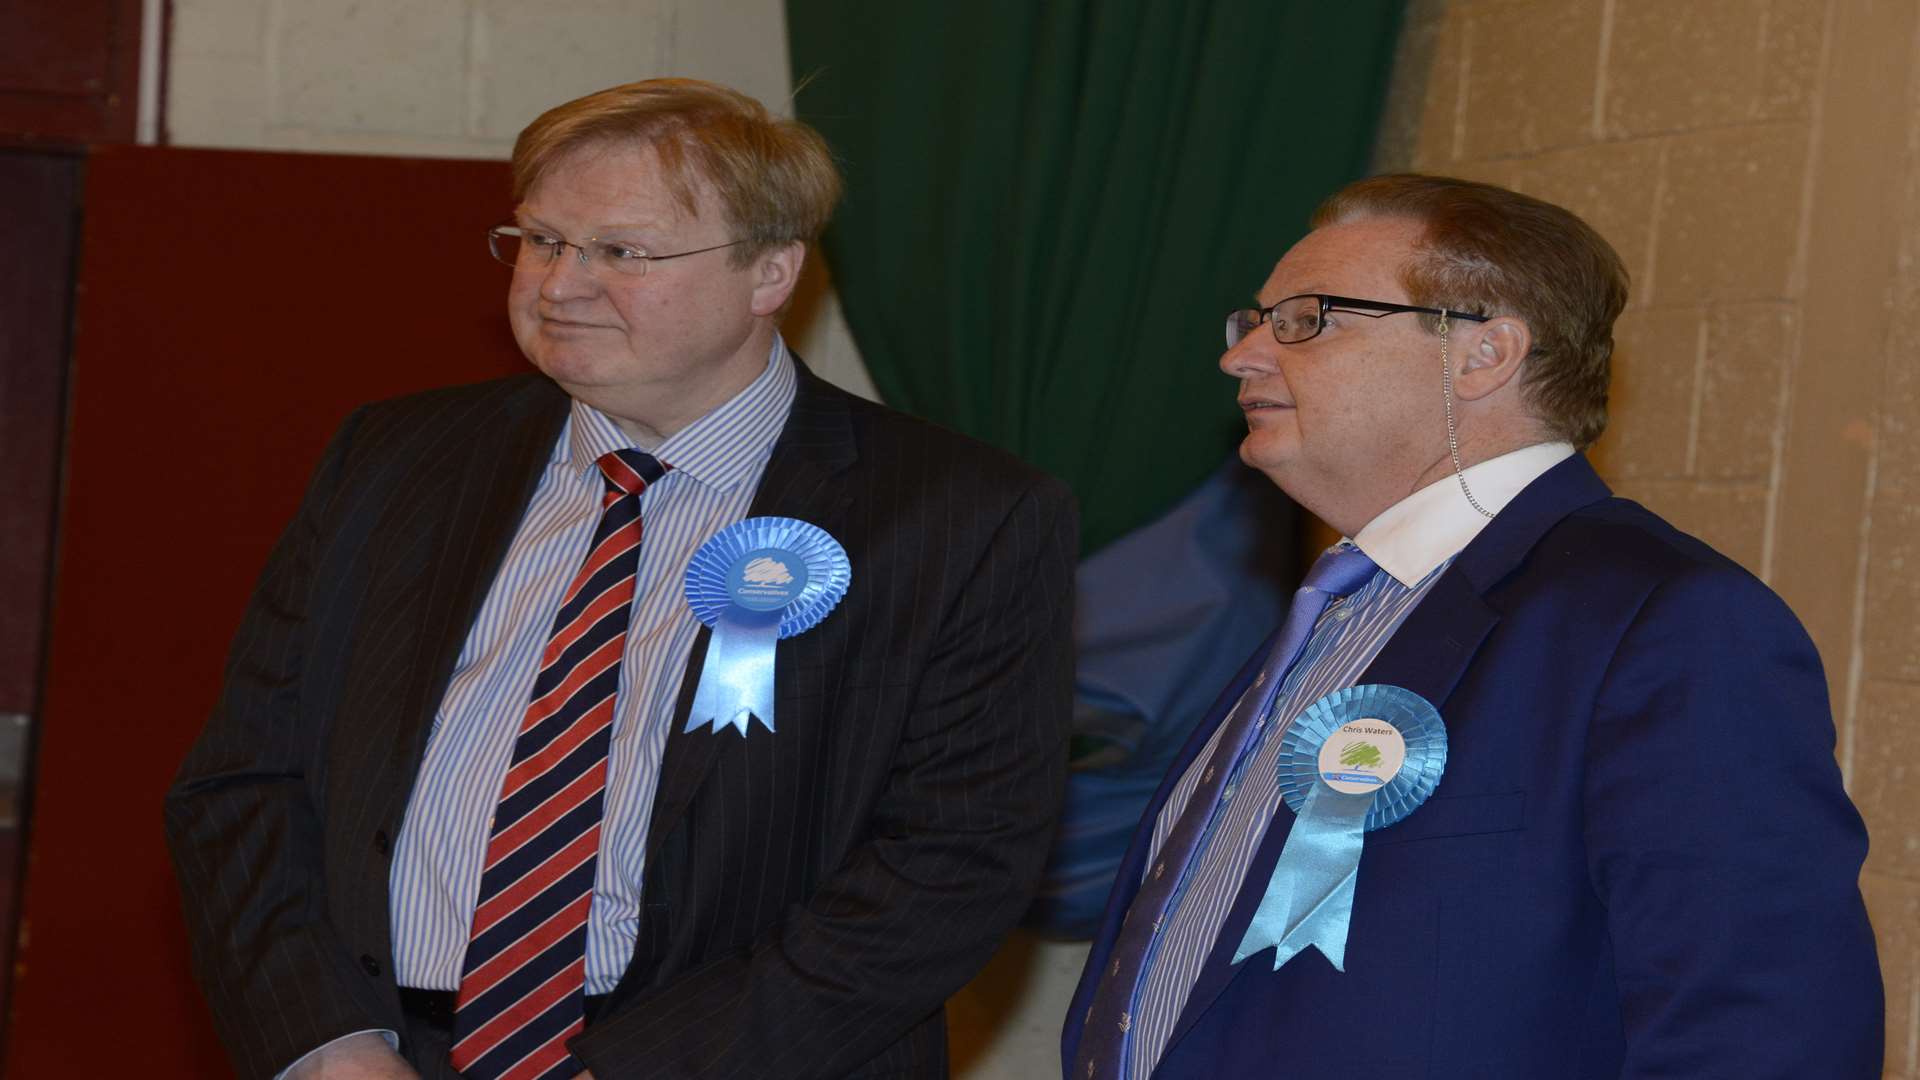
(573, 367)
(1268, 451)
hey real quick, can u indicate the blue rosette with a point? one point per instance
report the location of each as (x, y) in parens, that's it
(755, 582)
(1418, 723)
(1309, 899)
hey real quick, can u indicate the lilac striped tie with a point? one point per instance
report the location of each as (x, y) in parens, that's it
(1339, 571)
(523, 986)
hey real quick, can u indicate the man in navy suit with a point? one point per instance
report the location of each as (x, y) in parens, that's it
(1638, 859)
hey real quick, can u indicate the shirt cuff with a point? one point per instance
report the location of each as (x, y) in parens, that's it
(392, 1037)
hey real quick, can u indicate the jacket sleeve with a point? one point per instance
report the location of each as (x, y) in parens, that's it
(958, 840)
(1723, 846)
(245, 835)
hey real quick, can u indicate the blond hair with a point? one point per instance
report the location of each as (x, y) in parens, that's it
(775, 179)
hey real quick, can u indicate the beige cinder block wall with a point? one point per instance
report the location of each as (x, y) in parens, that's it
(1757, 164)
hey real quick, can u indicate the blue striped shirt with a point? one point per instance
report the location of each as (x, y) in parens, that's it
(1413, 542)
(717, 462)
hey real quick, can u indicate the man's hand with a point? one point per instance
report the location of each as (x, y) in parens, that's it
(365, 1056)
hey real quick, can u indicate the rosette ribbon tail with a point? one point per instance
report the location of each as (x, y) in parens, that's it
(1309, 899)
(736, 680)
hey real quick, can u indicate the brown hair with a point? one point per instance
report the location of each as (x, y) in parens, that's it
(1489, 251)
(775, 179)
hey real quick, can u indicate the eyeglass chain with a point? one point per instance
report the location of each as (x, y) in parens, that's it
(1453, 440)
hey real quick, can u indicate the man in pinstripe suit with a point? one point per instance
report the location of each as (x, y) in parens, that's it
(791, 902)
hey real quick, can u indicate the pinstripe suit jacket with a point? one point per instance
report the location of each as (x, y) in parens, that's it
(811, 897)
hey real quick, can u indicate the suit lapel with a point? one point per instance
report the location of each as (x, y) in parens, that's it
(1428, 655)
(802, 480)
(490, 479)
(1432, 647)
(1126, 882)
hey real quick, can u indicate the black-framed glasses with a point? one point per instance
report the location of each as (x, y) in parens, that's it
(1301, 318)
(535, 249)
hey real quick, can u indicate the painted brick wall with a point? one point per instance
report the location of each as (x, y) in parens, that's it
(1757, 164)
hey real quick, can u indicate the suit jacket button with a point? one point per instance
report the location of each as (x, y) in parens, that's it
(369, 965)
(380, 843)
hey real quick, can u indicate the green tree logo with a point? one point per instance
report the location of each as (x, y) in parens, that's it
(1360, 755)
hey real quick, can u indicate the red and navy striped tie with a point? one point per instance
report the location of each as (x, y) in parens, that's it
(523, 986)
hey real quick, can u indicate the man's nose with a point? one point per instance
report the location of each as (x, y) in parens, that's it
(1255, 354)
(567, 275)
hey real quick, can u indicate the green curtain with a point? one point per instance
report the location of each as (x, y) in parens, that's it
(1052, 204)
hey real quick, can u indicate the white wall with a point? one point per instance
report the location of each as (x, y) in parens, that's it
(460, 78)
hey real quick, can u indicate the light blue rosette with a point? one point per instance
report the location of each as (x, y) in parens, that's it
(1309, 899)
(757, 581)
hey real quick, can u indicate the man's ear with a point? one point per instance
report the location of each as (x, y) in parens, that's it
(1488, 355)
(779, 272)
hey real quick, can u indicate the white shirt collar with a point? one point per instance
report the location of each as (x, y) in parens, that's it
(1432, 525)
(720, 449)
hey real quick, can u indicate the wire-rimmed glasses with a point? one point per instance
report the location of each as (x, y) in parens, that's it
(536, 249)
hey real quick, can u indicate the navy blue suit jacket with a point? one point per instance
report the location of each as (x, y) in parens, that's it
(1639, 862)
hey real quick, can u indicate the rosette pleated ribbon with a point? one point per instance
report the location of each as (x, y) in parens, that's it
(1309, 898)
(756, 582)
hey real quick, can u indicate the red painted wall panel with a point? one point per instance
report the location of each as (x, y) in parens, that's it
(232, 307)
(69, 69)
